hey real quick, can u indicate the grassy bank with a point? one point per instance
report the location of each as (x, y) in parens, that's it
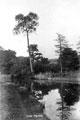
(49, 78)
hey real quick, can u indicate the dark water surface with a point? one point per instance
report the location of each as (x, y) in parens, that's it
(62, 102)
(55, 102)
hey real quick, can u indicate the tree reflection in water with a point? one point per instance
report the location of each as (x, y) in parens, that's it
(69, 95)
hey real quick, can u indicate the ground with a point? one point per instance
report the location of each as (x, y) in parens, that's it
(14, 106)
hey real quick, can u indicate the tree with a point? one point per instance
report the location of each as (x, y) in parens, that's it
(68, 93)
(42, 65)
(71, 93)
(33, 49)
(6, 60)
(78, 47)
(20, 71)
(61, 44)
(70, 60)
(35, 54)
(28, 25)
(1, 48)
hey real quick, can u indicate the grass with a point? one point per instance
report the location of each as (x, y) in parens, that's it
(72, 77)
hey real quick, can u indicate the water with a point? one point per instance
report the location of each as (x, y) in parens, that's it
(62, 102)
(54, 102)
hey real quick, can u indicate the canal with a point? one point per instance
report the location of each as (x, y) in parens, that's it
(59, 101)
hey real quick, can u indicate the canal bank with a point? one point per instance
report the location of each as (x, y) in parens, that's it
(17, 105)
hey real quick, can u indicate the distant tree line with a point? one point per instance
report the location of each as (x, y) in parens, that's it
(11, 64)
(19, 67)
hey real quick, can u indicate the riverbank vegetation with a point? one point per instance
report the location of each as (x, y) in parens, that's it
(19, 67)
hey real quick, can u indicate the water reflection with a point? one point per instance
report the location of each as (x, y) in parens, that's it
(61, 101)
(69, 96)
(70, 93)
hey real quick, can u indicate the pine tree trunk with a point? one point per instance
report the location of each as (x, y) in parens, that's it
(31, 67)
(61, 57)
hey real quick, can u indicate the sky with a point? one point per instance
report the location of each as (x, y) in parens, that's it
(55, 16)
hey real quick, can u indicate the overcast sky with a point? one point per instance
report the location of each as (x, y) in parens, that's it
(55, 16)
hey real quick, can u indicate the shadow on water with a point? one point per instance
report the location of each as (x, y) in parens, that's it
(58, 101)
(61, 101)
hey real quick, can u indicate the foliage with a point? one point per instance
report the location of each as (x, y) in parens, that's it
(78, 47)
(71, 94)
(70, 60)
(34, 52)
(6, 60)
(41, 66)
(28, 25)
(54, 68)
(61, 45)
(17, 67)
(40, 63)
(1, 48)
(20, 65)
(20, 71)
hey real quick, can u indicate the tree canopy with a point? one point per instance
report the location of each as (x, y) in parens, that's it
(70, 60)
(26, 23)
